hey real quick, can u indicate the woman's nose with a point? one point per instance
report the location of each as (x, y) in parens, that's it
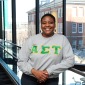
(47, 24)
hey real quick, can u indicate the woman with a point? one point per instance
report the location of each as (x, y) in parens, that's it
(44, 56)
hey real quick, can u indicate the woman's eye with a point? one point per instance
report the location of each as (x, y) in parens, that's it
(51, 22)
(47, 22)
(43, 23)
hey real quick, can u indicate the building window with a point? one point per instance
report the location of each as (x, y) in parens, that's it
(74, 44)
(80, 12)
(32, 17)
(74, 11)
(80, 28)
(29, 18)
(74, 27)
(59, 27)
(80, 43)
(59, 12)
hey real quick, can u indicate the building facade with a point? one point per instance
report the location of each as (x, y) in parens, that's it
(75, 20)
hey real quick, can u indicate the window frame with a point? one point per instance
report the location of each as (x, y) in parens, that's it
(75, 28)
(79, 28)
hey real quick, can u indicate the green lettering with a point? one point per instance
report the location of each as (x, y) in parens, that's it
(45, 49)
(56, 49)
(34, 49)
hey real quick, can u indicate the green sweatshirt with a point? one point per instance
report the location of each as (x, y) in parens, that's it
(53, 54)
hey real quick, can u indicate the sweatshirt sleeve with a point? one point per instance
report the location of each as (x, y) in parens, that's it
(23, 57)
(66, 62)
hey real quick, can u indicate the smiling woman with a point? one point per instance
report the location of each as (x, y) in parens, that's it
(48, 25)
(44, 56)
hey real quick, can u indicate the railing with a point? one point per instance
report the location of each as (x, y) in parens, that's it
(78, 68)
(12, 76)
(3, 41)
(77, 71)
(10, 58)
(9, 53)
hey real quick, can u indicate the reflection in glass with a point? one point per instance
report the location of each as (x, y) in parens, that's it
(75, 25)
(75, 32)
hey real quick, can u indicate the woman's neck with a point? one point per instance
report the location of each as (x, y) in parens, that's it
(47, 36)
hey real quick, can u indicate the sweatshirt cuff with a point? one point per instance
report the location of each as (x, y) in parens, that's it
(29, 70)
(49, 71)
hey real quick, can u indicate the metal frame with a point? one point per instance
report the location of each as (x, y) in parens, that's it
(1, 20)
(64, 33)
(14, 33)
(37, 16)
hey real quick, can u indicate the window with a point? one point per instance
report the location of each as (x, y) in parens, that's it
(59, 27)
(74, 27)
(30, 18)
(80, 12)
(80, 42)
(74, 44)
(74, 11)
(59, 12)
(80, 28)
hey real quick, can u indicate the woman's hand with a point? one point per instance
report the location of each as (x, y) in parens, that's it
(40, 75)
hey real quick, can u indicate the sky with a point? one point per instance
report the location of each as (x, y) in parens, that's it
(22, 6)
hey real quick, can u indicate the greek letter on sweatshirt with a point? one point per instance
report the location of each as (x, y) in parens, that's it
(53, 54)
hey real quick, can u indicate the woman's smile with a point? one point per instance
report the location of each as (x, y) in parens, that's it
(47, 26)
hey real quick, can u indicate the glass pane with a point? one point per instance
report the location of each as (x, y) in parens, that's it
(7, 20)
(75, 28)
(74, 78)
(24, 22)
(46, 6)
(7, 29)
(75, 32)
(23, 19)
(54, 7)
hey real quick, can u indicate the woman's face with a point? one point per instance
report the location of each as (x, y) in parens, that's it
(47, 26)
